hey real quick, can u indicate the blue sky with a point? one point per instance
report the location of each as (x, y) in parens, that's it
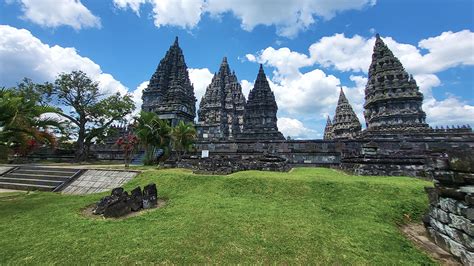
(308, 48)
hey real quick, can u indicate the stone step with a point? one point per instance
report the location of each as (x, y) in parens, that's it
(46, 169)
(44, 172)
(19, 186)
(36, 176)
(34, 182)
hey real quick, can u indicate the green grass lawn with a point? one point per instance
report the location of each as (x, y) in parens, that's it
(310, 215)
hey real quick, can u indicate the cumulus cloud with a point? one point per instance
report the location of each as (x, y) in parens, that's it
(24, 55)
(53, 13)
(450, 49)
(200, 78)
(288, 16)
(295, 129)
(313, 94)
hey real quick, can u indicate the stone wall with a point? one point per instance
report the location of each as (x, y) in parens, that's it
(450, 220)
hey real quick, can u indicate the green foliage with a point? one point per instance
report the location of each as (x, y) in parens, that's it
(306, 216)
(154, 134)
(22, 118)
(89, 110)
(183, 136)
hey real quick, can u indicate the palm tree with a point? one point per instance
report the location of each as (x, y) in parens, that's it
(184, 135)
(154, 134)
(23, 120)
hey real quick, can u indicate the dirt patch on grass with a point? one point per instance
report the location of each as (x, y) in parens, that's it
(87, 212)
(418, 235)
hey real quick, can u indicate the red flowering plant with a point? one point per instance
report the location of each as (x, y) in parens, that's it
(129, 144)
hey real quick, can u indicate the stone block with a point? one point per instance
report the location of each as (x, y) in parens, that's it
(136, 199)
(462, 223)
(460, 237)
(440, 215)
(150, 196)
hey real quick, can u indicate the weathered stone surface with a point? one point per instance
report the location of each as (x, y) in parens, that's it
(260, 117)
(170, 93)
(102, 205)
(460, 237)
(462, 223)
(222, 107)
(119, 206)
(392, 98)
(136, 199)
(440, 215)
(150, 196)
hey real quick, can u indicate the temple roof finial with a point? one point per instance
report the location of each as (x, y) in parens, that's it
(176, 41)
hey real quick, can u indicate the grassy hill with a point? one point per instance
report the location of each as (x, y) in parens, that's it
(310, 215)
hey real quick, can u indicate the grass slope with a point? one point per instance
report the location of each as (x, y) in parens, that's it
(310, 215)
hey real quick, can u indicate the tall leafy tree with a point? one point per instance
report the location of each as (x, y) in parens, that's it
(154, 134)
(89, 110)
(184, 136)
(23, 118)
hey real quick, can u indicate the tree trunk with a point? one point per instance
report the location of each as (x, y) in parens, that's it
(80, 143)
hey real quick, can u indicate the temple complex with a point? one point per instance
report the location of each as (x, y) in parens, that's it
(170, 93)
(392, 98)
(221, 110)
(345, 124)
(260, 120)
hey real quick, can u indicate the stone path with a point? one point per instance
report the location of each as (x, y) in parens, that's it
(417, 234)
(95, 181)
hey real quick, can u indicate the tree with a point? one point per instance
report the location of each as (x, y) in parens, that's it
(89, 110)
(184, 135)
(154, 134)
(128, 144)
(23, 119)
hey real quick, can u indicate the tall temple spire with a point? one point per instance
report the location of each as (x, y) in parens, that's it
(260, 120)
(170, 93)
(328, 130)
(345, 123)
(392, 98)
(222, 106)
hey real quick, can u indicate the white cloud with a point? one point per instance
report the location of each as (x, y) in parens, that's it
(450, 49)
(295, 129)
(200, 78)
(24, 55)
(132, 4)
(246, 87)
(312, 94)
(137, 96)
(54, 13)
(289, 16)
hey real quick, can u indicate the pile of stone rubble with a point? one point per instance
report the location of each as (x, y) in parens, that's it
(120, 203)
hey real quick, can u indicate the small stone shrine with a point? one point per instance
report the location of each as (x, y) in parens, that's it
(345, 124)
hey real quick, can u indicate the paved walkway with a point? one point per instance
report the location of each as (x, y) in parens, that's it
(95, 181)
(4, 190)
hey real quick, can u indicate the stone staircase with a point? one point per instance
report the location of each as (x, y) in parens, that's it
(38, 178)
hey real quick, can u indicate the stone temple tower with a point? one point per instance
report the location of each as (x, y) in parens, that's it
(392, 98)
(221, 110)
(260, 120)
(345, 124)
(328, 130)
(170, 93)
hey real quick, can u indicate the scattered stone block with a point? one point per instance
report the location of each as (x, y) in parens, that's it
(136, 199)
(150, 196)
